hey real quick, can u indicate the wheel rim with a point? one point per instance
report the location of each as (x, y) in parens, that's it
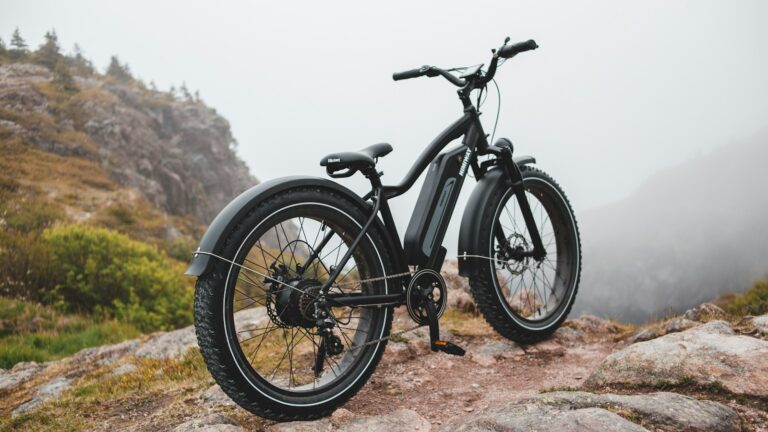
(272, 323)
(535, 293)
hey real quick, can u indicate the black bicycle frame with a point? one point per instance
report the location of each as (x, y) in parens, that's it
(473, 144)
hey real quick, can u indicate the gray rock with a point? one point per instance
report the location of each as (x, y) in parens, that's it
(173, 344)
(705, 312)
(673, 325)
(487, 353)
(761, 324)
(210, 423)
(708, 354)
(124, 369)
(565, 411)
(215, 397)
(20, 373)
(398, 420)
(106, 354)
(543, 418)
(46, 392)
(666, 411)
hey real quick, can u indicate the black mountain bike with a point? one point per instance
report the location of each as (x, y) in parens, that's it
(298, 277)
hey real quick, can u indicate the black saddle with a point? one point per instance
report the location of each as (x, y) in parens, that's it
(345, 164)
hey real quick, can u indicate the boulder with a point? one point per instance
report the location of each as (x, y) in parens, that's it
(761, 324)
(705, 312)
(710, 354)
(673, 325)
(603, 412)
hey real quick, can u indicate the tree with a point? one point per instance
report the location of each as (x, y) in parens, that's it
(80, 64)
(185, 91)
(62, 77)
(3, 50)
(49, 53)
(119, 71)
(18, 45)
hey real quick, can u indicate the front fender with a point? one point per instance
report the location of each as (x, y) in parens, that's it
(223, 223)
(477, 207)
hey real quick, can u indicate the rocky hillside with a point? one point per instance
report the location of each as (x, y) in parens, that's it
(689, 234)
(175, 153)
(694, 372)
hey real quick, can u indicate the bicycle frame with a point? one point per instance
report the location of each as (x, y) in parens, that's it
(473, 144)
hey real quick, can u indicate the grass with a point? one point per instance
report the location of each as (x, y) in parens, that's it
(31, 332)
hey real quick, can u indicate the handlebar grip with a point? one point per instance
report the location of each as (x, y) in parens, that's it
(509, 51)
(413, 73)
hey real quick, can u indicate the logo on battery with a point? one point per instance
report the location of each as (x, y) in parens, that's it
(465, 162)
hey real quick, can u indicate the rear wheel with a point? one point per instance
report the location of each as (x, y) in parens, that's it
(257, 319)
(525, 299)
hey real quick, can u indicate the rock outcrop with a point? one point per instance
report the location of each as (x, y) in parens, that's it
(603, 412)
(711, 354)
(178, 153)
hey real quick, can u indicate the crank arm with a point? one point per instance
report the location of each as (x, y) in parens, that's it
(435, 343)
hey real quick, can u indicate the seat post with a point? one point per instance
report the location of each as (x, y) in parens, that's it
(373, 176)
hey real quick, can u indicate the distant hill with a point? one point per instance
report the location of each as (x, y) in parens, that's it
(687, 235)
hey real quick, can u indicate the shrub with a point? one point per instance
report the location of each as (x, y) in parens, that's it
(754, 301)
(25, 265)
(105, 273)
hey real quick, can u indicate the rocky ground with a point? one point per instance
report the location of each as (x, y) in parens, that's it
(696, 372)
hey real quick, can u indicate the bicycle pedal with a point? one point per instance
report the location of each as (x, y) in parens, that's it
(448, 348)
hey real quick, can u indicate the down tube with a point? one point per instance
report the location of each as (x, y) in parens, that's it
(437, 200)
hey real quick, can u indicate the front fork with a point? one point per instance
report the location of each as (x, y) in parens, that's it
(515, 177)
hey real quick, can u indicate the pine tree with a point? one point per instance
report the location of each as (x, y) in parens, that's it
(185, 91)
(62, 77)
(3, 50)
(119, 71)
(80, 64)
(18, 45)
(49, 53)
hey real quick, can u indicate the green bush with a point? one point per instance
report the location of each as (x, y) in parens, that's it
(105, 273)
(754, 301)
(25, 266)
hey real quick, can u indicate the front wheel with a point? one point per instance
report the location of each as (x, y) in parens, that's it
(260, 327)
(525, 299)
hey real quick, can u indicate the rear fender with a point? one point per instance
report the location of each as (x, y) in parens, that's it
(224, 222)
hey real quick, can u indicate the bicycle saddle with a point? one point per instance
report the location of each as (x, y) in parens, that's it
(352, 162)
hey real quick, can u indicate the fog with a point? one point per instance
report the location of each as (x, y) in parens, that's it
(617, 92)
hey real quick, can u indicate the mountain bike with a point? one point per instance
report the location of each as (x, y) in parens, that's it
(298, 277)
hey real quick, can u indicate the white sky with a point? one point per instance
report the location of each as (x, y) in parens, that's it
(617, 90)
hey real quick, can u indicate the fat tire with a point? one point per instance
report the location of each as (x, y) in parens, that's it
(209, 316)
(483, 288)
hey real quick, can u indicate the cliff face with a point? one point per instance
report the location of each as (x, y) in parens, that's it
(178, 154)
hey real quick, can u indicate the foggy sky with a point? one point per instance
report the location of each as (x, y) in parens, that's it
(617, 91)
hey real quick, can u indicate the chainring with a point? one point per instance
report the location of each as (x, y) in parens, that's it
(415, 298)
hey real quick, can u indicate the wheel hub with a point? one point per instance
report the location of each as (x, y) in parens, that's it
(296, 307)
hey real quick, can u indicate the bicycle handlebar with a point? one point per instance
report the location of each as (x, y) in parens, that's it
(506, 52)
(413, 73)
(509, 51)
